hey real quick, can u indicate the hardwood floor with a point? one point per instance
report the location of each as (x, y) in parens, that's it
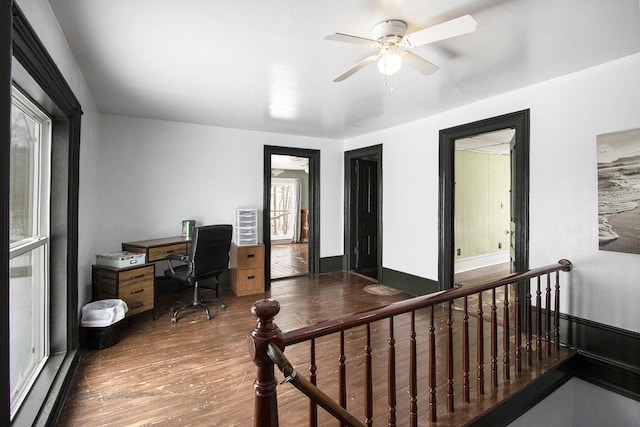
(198, 373)
(289, 260)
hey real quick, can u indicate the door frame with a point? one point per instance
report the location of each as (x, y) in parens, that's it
(372, 152)
(520, 190)
(314, 206)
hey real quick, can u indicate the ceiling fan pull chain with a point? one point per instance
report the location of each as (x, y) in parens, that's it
(390, 77)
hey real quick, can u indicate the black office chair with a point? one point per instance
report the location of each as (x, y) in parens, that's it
(208, 258)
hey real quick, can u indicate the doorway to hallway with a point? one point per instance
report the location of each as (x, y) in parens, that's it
(518, 198)
(482, 208)
(291, 212)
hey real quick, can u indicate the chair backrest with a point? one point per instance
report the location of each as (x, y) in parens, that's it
(210, 249)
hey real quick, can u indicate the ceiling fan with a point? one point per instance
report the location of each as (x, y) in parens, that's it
(389, 37)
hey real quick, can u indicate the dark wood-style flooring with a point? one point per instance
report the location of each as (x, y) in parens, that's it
(198, 373)
(289, 260)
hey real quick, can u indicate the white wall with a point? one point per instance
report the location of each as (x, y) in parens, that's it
(567, 114)
(41, 17)
(153, 174)
(143, 166)
(579, 403)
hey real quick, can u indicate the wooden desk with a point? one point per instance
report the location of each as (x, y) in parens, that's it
(134, 285)
(156, 250)
(159, 249)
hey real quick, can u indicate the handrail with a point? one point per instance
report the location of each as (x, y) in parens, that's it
(267, 344)
(310, 390)
(331, 326)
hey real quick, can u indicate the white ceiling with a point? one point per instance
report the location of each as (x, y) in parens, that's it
(496, 142)
(289, 162)
(264, 65)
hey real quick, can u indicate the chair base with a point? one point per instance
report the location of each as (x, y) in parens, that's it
(198, 301)
(200, 304)
(217, 298)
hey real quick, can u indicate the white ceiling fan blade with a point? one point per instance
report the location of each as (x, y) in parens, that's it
(346, 38)
(359, 66)
(418, 63)
(456, 27)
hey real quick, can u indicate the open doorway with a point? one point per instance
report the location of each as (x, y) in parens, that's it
(363, 211)
(291, 212)
(518, 241)
(482, 205)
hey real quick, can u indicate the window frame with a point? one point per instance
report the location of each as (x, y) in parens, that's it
(37, 240)
(292, 184)
(24, 59)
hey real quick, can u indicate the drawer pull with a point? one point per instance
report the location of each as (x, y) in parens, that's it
(137, 292)
(251, 277)
(136, 277)
(251, 255)
(135, 305)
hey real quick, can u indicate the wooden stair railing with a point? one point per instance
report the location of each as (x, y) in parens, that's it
(267, 344)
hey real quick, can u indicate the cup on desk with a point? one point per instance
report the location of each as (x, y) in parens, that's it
(188, 225)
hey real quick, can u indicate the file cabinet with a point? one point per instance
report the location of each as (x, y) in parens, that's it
(247, 269)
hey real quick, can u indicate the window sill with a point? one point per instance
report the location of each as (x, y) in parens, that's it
(44, 402)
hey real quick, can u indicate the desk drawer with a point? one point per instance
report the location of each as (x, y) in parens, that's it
(248, 281)
(139, 297)
(161, 252)
(131, 277)
(250, 256)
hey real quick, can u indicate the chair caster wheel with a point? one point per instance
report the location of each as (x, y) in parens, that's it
(209, 317)
(223, 306)
(174, 320)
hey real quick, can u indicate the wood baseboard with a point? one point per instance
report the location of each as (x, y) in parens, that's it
(608, 356)
(408, 283)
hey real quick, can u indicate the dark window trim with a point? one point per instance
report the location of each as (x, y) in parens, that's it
(19, 40)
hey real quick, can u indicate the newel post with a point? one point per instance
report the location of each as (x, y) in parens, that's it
(265, 332)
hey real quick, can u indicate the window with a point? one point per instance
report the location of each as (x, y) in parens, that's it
(285, 202)
(29, 194)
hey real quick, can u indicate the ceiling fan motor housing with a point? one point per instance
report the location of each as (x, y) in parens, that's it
(389, 29)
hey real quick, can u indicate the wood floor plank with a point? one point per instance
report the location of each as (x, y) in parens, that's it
(289, 260)
(198, 373)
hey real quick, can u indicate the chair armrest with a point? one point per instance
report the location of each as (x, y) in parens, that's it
(176, 257)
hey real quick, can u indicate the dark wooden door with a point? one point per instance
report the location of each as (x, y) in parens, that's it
(366, 217)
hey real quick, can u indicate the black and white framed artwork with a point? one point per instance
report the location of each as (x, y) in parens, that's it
(619, 191)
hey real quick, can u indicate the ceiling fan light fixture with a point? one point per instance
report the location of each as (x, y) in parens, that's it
(389, 62)
(391, 35)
